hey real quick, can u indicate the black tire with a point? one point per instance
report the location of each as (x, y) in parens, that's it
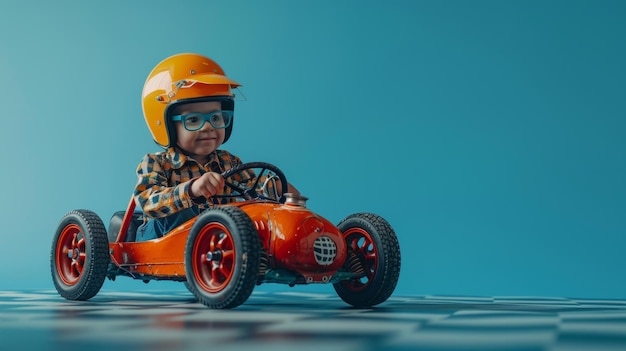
(189, 289)
(79, 258)
(222, 257)
(374, 242)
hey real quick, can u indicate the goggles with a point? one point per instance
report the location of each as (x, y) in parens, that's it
(195, 120)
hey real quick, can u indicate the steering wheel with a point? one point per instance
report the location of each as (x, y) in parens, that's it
(249, 191)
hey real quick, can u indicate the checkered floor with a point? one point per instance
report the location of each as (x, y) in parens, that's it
(171, 320)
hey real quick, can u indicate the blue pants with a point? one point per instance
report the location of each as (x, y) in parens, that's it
(157, 227)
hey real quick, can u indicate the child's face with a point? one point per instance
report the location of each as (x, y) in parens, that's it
(199, 143)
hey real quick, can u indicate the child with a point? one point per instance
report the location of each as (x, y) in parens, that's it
(188, 106)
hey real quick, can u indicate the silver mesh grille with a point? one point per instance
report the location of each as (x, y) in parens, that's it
(325, 250)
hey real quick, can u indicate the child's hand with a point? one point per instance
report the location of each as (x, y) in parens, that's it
(207, 185)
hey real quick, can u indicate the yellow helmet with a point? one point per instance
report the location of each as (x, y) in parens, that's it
(183, 78)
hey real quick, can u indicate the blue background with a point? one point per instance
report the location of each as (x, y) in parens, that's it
(489, 133)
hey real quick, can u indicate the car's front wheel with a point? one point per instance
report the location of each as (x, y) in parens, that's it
(222, 257)
(372, 247)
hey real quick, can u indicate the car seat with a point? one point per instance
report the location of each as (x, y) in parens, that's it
(116, 224)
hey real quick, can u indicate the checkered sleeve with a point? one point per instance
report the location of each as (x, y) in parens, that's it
(231, 161)
(153, 193)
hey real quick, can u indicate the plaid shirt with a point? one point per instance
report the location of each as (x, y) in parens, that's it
(165, 177)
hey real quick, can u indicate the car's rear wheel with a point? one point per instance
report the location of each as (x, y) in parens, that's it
(79, 257)
(222, 257)
(373, 244)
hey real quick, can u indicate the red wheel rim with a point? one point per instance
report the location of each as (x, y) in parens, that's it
(70, 254)
(214, 258)
(363, 245)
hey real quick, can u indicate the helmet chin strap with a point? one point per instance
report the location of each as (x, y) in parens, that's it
(228, 130)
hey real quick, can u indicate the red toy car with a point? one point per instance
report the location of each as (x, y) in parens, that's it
(224, 252)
